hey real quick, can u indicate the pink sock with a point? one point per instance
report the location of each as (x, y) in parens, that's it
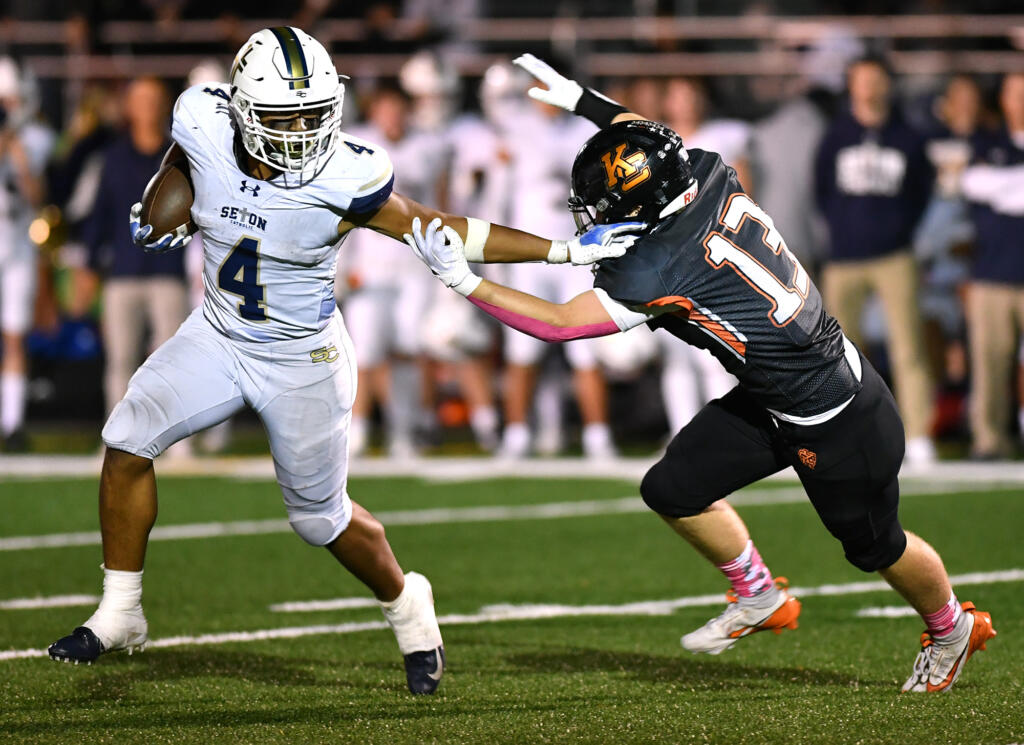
(747, 573)
(943, 621)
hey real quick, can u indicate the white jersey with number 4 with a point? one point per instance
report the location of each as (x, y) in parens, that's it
(270, 247)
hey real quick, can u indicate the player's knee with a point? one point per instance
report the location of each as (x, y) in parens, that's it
(662, 492)
(316, 530)
(318, 524)
(877, 548)
(121, 432)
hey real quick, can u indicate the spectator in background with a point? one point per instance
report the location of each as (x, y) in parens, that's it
(872, 181)
(139, 288)
(784, 145)
(994, 184)
(942, 241)
(25, 145)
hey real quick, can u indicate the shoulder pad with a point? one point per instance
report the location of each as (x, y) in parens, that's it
(636, 278)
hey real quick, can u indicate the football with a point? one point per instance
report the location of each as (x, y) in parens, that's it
(167, 200)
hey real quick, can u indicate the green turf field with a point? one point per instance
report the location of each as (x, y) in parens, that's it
(609, 677)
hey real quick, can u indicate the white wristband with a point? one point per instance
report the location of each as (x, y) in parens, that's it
(476, 237)
(467, 284)
(558, 253)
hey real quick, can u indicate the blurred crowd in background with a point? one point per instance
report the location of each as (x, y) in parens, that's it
(903, 196)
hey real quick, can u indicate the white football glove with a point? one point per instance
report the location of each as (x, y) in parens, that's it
(440, 248)
(597, 244)
(167, 242)
(560, 92)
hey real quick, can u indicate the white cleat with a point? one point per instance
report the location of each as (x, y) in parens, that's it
(118, 630)
(939, 665)
(741, 619)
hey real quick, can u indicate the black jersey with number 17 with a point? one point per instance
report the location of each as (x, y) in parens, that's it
(736, 290)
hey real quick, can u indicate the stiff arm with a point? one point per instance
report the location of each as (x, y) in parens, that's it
(499, 244)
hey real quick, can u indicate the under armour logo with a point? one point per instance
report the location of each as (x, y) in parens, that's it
(254, 189)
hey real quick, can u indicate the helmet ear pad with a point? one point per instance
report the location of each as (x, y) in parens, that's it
(629, 171)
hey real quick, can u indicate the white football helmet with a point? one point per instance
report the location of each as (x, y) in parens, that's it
(503, 94)
(286, 99)
(433, 84)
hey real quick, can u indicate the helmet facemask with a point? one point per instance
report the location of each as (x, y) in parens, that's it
(290, 138)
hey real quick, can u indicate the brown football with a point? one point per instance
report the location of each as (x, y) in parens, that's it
(167, 200)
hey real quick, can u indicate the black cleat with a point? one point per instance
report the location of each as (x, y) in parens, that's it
(80, 646)
(423, 670)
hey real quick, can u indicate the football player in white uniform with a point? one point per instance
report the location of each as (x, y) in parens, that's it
(534, 145)
(277, 186)
(378, 271)
(25, 146)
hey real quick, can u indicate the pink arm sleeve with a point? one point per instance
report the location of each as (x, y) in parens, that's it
(545, 331)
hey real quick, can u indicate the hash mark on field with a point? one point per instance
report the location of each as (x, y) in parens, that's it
(315, 605)
(887, 611)
(496, 613)
(435, 516)
(54, 601)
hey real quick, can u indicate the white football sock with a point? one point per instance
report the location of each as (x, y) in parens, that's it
(484, 422)
(411, 616)
(358, 433)
(12, 401)
(403, 408)
(516, 440)
(597, 441)
(122, 590)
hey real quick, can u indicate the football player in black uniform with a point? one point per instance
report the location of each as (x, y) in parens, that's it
(710, 268)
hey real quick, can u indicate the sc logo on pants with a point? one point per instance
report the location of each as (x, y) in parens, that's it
(324, 354)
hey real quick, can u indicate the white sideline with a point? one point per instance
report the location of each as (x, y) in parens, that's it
(54, 601)
(496, 613)
(442, 468)
(751, 496)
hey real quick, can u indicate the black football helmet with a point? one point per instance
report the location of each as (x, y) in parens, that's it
(628, 171)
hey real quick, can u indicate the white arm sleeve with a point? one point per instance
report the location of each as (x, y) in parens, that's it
(624, 316)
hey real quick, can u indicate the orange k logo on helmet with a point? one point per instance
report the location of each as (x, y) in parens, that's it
(626, 169)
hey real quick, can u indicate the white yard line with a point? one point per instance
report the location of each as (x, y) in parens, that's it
(497, 613)
(54, 601)
(306, 606)
(887, 611)
(444, 515)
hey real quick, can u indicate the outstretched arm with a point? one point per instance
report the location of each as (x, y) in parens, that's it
(498, 243)
(582, 317)
(484, 242)
(591, 314)
(569, 95)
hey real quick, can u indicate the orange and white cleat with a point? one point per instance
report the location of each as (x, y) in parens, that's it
(742, 618)
(938, 665)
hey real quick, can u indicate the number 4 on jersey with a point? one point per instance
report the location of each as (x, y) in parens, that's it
(240, 275)
(786, 284)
